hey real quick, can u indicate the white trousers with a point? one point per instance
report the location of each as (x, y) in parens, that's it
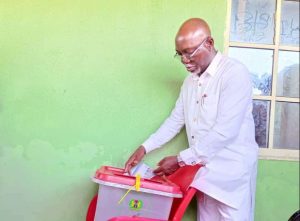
(210, 209)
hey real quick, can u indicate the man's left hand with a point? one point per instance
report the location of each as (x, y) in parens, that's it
(167, 166)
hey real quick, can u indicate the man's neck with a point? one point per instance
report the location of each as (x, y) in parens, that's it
(212, 56)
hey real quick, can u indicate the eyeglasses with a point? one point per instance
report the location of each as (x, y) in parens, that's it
(189, 56)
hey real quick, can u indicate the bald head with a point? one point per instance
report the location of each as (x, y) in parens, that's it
(195, 45)
(194, 29)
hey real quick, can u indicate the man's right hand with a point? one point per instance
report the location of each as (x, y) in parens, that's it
(135, 158)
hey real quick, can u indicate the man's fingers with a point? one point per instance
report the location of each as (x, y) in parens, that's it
(158, 170)
(161, 162)
(127, 168)
(135, 158)
(128, 165)
(160, 174)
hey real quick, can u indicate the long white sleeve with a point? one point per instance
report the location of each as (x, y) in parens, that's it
(168, 129)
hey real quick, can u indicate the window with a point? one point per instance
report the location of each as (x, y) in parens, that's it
(264, 35)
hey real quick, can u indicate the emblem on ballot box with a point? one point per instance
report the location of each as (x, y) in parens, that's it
(135, 204)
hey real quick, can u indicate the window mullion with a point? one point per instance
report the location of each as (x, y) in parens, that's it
(275, 73)
(251, 45)
(227, 31)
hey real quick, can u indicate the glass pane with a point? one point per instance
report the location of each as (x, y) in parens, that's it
(261, 114)
(286, 131)
(288, 74)
(252, 21)
(289, 30)
(259, 62)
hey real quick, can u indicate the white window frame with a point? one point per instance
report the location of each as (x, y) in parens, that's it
(270, 152)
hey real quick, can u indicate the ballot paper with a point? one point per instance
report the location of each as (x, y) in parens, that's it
(143, 170)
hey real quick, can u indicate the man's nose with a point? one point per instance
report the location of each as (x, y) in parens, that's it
(185, 60)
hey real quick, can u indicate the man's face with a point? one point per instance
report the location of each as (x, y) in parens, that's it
(194, 54)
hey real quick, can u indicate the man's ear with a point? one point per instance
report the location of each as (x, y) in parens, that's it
(210, 43)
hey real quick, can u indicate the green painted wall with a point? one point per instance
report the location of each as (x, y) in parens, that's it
(82, 84)
(277, 195)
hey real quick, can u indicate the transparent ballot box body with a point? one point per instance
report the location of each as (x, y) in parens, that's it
(153, 200)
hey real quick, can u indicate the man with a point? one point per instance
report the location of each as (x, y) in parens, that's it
(215, 105)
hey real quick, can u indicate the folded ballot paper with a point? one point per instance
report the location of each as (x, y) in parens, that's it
(143, 170)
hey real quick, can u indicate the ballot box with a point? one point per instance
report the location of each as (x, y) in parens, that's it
(123, 195)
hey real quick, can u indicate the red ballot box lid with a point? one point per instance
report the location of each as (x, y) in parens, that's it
(114, 175)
